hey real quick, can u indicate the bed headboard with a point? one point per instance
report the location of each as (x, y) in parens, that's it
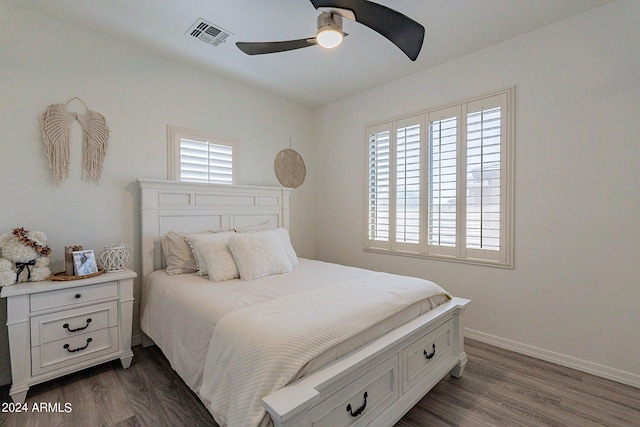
(188, 207)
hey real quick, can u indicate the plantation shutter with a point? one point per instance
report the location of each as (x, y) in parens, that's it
(379, 185)
(438, 186)
(407, 184)
(485, 180)
(204, 161)
(442, 196)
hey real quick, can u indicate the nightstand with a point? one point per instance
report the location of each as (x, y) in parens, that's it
(59, 327)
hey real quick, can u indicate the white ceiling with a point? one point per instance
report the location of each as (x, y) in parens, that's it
(311, 76)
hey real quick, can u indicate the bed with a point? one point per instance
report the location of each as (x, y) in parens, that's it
(380, 343)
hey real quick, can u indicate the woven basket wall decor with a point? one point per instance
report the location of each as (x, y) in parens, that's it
(289, 168)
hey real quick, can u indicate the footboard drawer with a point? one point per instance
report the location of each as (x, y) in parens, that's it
(362, 400)
(426, 354)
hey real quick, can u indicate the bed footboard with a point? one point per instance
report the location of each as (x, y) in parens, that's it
(381, 381)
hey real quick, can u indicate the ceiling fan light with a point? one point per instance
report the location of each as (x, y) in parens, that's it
(329, 37)
(329, 30)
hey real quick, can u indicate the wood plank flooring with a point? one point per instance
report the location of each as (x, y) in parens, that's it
(498, 388)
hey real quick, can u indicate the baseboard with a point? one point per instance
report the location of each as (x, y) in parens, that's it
(136, 340)
(602, 371)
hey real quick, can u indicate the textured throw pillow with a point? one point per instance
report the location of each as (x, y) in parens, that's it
(178, 254)
(218, 261)
(198, 243)
(259, 254)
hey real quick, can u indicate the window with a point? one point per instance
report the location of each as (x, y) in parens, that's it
(196, 156)
(439, 183)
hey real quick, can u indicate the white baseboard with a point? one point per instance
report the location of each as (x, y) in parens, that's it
(602, 371)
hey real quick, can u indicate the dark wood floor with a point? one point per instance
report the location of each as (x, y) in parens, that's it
(498, 388)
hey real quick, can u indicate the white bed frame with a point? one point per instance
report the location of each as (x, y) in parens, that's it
(374, 385)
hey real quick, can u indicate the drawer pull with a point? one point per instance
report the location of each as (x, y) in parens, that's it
(360, 409)
(78, 296)
(433, 353)
(66, 346)
(66, 326)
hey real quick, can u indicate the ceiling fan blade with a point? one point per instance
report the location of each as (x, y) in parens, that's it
(260, 48)
(401, 30)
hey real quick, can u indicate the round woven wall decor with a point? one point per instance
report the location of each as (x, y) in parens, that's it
(290, 168)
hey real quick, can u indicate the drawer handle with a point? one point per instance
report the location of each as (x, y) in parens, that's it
(66, 346)
(433, 353)
(77, 296)
(360, 409)
(66, 326)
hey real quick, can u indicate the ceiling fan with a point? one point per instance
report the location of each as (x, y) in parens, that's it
(401, 30)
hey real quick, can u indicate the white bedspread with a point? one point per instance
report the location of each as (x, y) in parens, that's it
(260, 348)
(181, 312)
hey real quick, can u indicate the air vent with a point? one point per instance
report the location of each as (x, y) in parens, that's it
(208, 32)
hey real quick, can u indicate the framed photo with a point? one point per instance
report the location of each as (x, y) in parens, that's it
(84, 262)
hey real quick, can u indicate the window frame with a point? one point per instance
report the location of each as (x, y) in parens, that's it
(176, 133)
(504, 256)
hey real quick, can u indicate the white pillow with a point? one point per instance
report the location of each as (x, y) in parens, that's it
(259, 254)
(218, 261)
(286, 244)
(283, 233)
(178, 254)
(198, 244)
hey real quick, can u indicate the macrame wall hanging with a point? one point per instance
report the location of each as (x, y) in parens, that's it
(56, 124)
(289, 168)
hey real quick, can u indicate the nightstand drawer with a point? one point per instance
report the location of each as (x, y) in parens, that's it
(73, 350)
(72, 296)
(70, 323)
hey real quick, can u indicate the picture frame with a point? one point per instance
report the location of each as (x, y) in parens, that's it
(84, 262)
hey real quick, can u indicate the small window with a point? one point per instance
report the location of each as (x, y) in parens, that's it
(196, 156)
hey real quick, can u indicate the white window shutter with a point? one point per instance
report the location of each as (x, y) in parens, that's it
(204, 161)
(408, 181)
(197, 156)
(438, 183)
(485, 165)
(442, 194)
(379, 186)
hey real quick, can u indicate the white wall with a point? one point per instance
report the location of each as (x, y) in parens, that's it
(573, 295)
(44, 62)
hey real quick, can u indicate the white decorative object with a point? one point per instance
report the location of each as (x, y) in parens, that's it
(116, 257)
(56, 124)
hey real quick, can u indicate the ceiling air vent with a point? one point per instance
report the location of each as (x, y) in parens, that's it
(208, 32)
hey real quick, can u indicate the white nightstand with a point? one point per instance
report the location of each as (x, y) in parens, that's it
(59, 327)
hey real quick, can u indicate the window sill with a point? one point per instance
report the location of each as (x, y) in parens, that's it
(472, 261)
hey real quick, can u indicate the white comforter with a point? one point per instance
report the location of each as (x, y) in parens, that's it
(181, 313)
(257, 349)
